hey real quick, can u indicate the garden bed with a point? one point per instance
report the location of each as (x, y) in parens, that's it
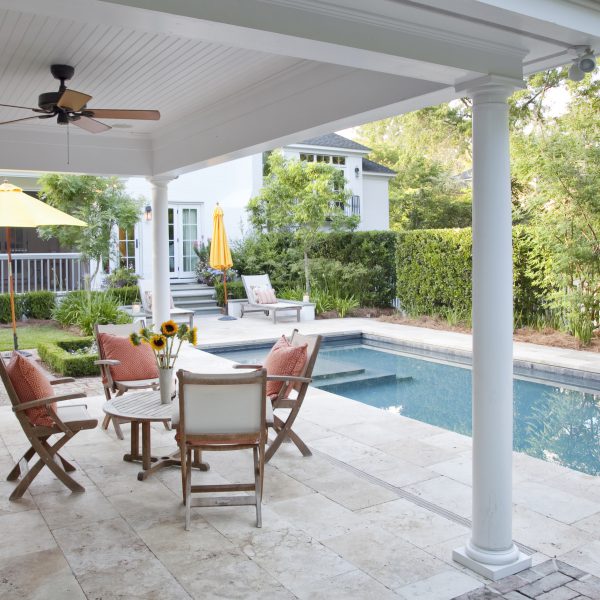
(71, 358)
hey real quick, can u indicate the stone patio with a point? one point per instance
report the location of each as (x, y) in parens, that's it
(374, 513)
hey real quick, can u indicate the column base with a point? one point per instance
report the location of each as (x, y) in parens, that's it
(491, 571)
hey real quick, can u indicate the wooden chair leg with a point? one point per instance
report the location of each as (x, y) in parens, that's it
(294, 437)
(283, 430)
(106, 421)
(46, 458)
(67, 466)
(257, 486)
(167, 425)
(118, 429)
(16, 470)
(188, 491)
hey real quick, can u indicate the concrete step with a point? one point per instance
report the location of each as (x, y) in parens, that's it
(187, 302)
(196, 293)
(207, 310)
(368, 378)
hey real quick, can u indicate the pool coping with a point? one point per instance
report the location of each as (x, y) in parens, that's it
(522, 367)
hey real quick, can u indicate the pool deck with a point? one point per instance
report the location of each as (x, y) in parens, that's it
(374, 514)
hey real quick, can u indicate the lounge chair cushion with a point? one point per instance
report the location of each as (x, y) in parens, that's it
(31, 383)
(265, 295)
(284, 359)
(137, 362)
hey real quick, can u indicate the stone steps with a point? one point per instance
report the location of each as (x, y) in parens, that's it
(195, 296)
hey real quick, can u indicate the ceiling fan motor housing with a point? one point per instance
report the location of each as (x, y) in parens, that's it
(48, 100)
(62, 72)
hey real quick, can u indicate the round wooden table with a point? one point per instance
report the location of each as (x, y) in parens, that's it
(145, 408)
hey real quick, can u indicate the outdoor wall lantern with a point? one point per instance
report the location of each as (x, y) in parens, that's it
(356, 172)
(148, 213)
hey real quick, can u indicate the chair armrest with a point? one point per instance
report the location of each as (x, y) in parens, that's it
(247, 366)
(289, 378)
(60, 380)
(109, 362)
(46, 401)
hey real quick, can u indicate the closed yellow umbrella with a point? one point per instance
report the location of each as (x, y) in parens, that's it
(220, 256)
(18, 209)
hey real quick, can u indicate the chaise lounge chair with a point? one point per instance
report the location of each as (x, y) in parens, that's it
(261, 298)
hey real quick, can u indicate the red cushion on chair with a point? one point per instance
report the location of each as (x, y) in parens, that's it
(284, 359)
(30, 383)
(137, 362)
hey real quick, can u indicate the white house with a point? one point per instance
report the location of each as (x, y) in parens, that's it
(193, 197)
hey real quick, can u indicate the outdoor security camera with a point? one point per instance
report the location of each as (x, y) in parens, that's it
(583, 62)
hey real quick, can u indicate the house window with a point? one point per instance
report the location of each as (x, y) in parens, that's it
(338, 160)
(323, 158)
(127, 247)
(307, 157)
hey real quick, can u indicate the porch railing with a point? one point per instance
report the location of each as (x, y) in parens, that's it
(353, 206)
(57, 272)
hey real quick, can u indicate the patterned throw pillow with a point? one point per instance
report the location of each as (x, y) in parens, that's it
(265, 295)
(30, 383)
(137, 362)
(284, 359)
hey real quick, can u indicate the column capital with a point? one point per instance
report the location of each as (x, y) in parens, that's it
(161, 180)
(490, 88)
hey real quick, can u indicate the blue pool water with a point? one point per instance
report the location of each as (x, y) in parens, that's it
(554, 422)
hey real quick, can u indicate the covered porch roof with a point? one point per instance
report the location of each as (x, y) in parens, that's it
(232, 78)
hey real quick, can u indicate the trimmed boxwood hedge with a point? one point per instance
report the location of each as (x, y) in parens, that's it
(60, 360)
(235, 291)
(33, 305)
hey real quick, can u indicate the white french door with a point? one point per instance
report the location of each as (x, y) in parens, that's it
(184, 231)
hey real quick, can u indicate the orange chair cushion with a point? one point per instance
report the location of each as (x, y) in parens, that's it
(30, 383)
(284, 359)
(137, 362)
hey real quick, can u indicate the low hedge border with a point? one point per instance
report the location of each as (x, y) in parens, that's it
(57, 356)
(33, 305)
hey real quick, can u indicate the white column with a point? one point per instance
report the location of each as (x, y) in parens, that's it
(491, 550)
(160, 248)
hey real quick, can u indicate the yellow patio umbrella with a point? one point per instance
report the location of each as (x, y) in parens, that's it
(18, 209)
(220, 256)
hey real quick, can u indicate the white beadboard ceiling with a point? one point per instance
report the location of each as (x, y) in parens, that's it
(234, 77)
(122, 68)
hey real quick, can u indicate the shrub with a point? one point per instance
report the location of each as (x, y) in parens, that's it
(38, 305)
(235, 290)
(70, 358)
(126, 295)
(345, 304)
(5, 308)
(368, 256)
(85, 309)
(121, 278)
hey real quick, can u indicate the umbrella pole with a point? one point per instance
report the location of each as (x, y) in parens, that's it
(11, 288)
(225, 292)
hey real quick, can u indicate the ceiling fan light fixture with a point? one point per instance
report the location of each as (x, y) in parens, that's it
(587, 62)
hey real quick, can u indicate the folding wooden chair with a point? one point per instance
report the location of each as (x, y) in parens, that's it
(67, 421)
(114, 387)
(221, 413)
(291, 395)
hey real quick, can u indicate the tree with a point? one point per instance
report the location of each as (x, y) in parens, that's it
(99, 201)
(302, 198)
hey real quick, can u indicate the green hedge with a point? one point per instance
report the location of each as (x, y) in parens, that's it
(235, 290)
(125, 295)
(33, 305)
(280, 256)
(60, 358)
(434, 272)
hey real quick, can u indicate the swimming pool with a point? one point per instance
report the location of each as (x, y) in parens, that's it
(558, 422)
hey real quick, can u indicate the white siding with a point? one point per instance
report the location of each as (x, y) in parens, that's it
(375, 204)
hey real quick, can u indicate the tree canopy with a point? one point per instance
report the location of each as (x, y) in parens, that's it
(99, 201)
(302, 198)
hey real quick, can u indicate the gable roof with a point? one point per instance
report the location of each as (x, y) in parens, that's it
(333, 140)
(372, 167)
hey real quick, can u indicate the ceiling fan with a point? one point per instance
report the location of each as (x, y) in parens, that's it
(69, 106)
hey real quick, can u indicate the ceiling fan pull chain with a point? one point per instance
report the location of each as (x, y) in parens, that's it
(68, 146)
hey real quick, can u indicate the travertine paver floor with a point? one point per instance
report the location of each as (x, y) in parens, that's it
(374, 513)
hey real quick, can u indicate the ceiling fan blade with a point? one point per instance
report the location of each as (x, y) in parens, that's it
(72, 100)
(14, 106)
(109, 113)
(17, 120)
(90, 125)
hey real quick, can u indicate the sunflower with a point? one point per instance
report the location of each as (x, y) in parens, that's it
(169, 328)
(193, 336)
(158, 342)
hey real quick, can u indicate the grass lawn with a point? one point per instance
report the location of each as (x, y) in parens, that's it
(30, 335)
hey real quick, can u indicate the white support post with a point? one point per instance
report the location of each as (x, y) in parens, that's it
(491, 550)
(160, 249)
